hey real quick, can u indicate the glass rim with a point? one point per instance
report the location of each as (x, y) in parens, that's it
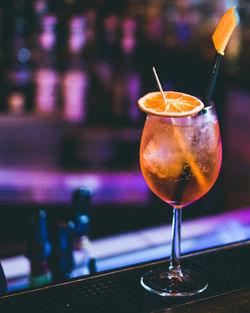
(203, 111)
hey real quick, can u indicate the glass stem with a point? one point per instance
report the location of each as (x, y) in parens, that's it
(176, 241)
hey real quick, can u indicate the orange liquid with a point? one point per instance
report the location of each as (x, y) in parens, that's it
(180, 163)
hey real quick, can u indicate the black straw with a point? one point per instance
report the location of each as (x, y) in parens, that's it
(211, 85)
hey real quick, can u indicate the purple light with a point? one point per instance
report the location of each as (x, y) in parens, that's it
(129, 27)
(77, 24)
(46, 80)
(128, 44)
(77, 36)
(128, 39)
(76, 42)
(47, 40)
(22, 76)
(49, 22)
(57, 187)
(74, 89)
(48, 37)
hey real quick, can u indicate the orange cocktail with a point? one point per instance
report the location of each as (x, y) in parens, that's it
(180, 158)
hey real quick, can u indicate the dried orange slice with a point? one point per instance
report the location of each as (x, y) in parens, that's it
(175, 104)
(224, 30)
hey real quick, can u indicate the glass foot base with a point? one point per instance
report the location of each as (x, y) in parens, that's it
(173, 283)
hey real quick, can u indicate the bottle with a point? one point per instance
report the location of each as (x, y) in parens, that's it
(46, 75)
(106, 66)
(90, 51)
(81, 206)
(38, 249)
(18, 72)
(61, 261)
(75, 79)
(127, 87)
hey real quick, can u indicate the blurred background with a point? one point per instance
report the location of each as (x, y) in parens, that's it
(72, 197)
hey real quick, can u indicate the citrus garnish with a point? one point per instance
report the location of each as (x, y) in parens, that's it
(224, 30)
(175, 104)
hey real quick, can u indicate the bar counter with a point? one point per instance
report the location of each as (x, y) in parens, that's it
(226, 269)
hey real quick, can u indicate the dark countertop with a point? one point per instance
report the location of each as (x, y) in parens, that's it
(226, 269)
(237, 301)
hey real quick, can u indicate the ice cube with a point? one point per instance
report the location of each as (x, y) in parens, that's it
(159, 159)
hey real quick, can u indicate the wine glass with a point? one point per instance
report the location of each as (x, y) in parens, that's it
(180, 159)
